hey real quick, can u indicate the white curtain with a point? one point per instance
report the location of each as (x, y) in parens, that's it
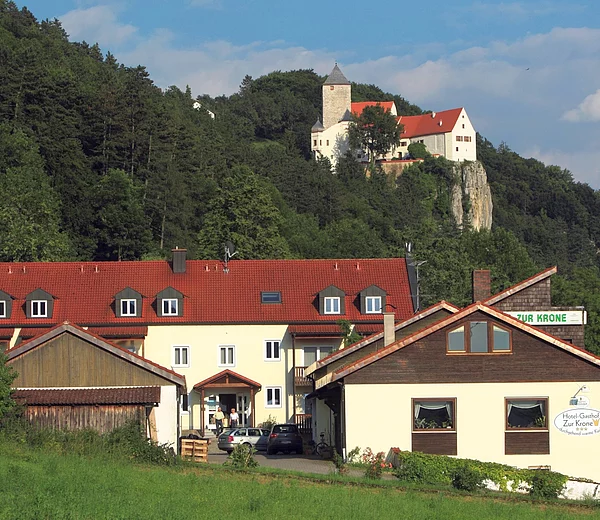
(433, 405)
(524, 405)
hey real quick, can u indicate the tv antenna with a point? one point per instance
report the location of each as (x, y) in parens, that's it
(416, 264)
(230, 252)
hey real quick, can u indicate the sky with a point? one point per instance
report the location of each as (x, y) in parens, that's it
(527, 72)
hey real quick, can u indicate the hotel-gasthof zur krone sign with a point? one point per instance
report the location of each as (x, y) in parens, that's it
(578, 421)
(550, 317)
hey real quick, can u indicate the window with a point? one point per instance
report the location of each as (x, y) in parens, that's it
(128, 308)
(320, 142)
(227, 356)
(2, 309)
(273, 397)
(527, 414)
(272, 350)
(331, 87)
(181, 356)
(332, 305)
(169, 307)
(457, 148)
(185, 406)
(403, 143)
(270, 297)
(373, 304)
(479, 337)
(314, 142)
(434, 414)
(327, 142)
(459, 138)
(39, 308)
(463, 125)
(467, 138)
(312, 354)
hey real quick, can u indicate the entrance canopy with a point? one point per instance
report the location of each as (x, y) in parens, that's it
(227, 379)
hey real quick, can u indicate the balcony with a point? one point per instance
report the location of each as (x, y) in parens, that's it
(300, 379)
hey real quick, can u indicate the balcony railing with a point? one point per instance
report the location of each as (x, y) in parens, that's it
(304, 422)
(301, 379)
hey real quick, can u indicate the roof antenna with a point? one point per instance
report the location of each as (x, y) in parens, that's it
(230, 252)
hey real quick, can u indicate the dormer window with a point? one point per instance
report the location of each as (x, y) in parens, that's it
(128, 304)
(373, 304)
(372, 300)
(169, 307)
(39, 309)
(332, 301)
(39, 304)
(5, 305)
(128, 307)
(479, 337)
(169, 302)
(332, 305)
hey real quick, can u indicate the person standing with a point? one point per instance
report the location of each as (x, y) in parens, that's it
(219, 416)
(233, 418)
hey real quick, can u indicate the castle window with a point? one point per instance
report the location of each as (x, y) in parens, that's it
(320, 142)
(331, 87)
(463, 125)
(315, 142)
(457, 148)
(327, 142)
(459, 138)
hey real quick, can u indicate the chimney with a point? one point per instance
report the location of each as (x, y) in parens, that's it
(481, 285)
(389, 335)
(178, 264)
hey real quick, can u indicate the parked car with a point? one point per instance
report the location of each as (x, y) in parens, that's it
(286, 438)
(231, 437)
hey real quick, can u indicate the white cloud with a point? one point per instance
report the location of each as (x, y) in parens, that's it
(97, 24)
(584, 164)
(588, 109)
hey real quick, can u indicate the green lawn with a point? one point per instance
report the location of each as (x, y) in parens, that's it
(38, 485)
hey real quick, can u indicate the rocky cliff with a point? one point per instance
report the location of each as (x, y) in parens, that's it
(471, 197)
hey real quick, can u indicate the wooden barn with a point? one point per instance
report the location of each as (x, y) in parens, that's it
(69, 378)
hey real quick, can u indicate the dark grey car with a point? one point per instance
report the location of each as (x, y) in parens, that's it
(231, 437)
(285, 438)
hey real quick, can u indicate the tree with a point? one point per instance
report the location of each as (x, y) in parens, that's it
(7, 376)
(376, 130)
(418, 151)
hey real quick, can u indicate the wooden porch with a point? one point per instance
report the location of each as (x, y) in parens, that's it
(300, 379)
(304, 423)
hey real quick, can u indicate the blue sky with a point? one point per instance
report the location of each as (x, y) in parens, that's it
(528, 72)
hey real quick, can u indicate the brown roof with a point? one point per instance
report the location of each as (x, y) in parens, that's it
(82, 396)
(492, 300)
(228, 374)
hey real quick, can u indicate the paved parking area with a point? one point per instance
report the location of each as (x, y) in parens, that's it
(303, 463)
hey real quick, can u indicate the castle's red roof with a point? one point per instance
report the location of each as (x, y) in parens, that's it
(84, 292)
(429, 124)
(358, 107)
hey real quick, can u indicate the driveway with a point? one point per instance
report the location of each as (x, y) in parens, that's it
(303, 463)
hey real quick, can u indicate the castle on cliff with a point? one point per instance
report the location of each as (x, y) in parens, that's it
(449, 133)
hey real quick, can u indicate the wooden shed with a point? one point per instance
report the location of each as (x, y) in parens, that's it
(70, 378)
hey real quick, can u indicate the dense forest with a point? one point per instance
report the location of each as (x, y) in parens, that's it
(98, 163)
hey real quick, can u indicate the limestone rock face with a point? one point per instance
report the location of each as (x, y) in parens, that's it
(471, 198)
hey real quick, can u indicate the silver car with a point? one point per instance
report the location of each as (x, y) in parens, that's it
(255, 437)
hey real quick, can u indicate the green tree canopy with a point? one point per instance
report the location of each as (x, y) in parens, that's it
(375, 130)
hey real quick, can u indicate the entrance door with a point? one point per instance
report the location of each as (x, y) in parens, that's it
(227, 403)
(243, 410)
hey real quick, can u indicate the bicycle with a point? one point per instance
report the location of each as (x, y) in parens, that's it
(321, 448)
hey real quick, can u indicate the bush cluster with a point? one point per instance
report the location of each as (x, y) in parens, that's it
(128, 441)
(241, 457)
(468, 474)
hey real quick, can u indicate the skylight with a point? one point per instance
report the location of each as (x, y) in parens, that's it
(270, 297)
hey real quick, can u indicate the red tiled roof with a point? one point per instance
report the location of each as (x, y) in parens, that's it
(85, 292)
(120, 332)
(6, 333)
(32, 332)
(428, 124)
(358, 107)
(82, 396)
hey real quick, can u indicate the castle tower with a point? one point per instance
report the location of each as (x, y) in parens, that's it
(336, 97)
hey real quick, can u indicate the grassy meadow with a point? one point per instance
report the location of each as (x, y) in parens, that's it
(39, 484)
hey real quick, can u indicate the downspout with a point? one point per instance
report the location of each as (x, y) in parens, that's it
(294, 376)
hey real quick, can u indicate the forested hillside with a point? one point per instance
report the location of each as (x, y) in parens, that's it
(97, 162)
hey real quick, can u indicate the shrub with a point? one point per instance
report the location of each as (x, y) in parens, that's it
(547, 484)
(268, 423)
(375, 464)
(353, 455)
(241, 457)
(339, 463)
(467, 478)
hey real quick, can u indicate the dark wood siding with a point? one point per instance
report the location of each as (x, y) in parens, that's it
(436, 443)
(527, 443)
(378, 345)
(426, 361)
(535, 297)
(102, 418)
(69, 361)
